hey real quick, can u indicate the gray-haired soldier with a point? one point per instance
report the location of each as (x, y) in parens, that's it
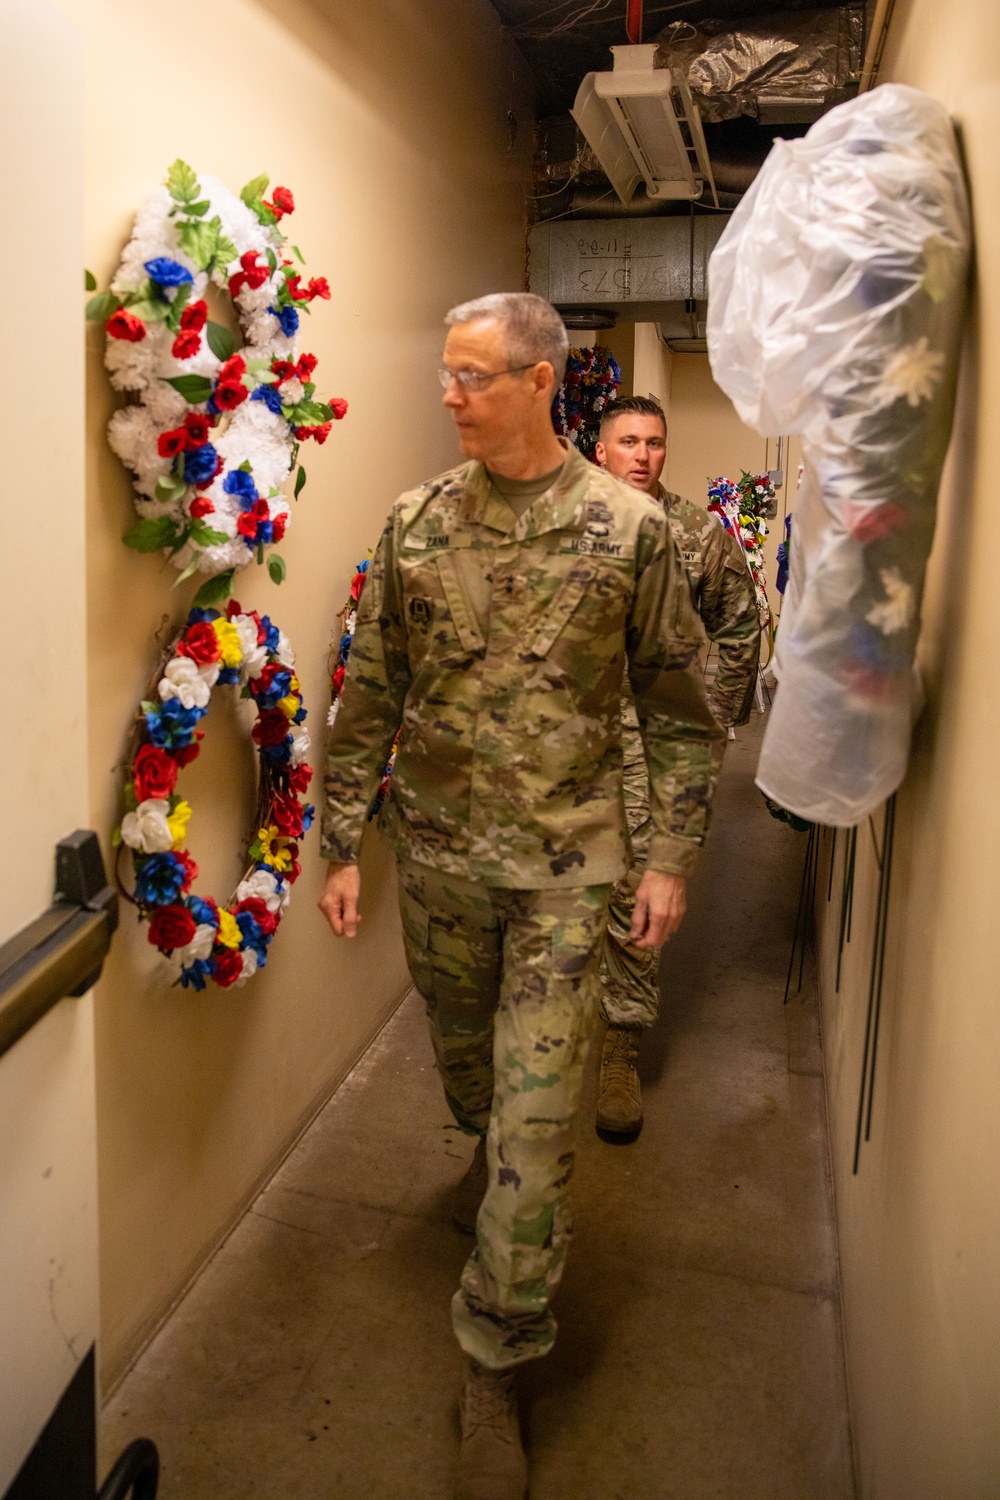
(493, 632)
(633, 447)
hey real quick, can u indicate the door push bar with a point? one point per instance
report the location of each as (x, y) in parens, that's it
(61, 952)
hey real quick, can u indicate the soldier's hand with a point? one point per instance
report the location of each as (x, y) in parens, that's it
(660, 904)
(339, 901)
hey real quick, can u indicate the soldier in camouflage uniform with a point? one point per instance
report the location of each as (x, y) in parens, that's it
(633, 448)
(493, 633)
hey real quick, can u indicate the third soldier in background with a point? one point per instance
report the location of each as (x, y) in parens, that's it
(633, 447)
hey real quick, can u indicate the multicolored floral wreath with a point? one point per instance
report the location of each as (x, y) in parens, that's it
(202, 939)
(342, 650)
(591, 384)
(741, 508)
(215, 432)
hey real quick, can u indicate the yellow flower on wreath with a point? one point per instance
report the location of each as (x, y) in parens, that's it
(230, 935)
(229, 642)
(290, 706)
(274, 849)
(178, 821)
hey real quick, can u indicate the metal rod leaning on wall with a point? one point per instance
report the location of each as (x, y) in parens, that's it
(807, 895)
(874, 1010)
(846, 899)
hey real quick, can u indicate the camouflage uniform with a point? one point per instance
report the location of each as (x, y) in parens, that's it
(722, 592)
(496, 646)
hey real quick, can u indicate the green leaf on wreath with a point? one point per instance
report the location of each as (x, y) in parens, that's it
(220, 340)
(225, 251)
(192, 567)
(276, 567)
(131, 800)
(205, 535)
(150, 310)
(272, 259)
(182, 182)
(196, 210)
(215, 590)
(116, 838)
(300, 480)
(170, 487)
(100, 308)
(177, 306)
(199, 240)
(246, 467)
(149, 534)
(89, 281)
(308, 413)
(253, 191)
(194, 388)
(298, 252)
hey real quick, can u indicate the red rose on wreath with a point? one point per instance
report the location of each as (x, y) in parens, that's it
(283, 201)
(171, 927)
(271, 728)
(195, 315)
(278, 524)
(190, 868)
(196, 425)
(229, 394)
(337, 680)
(155, 773)
(186, 344)
(295, 870)
(286, 814)
(168, 444)
(228, 967)
(200, 506)
(187, 753)
(125, 325)
(257, 908)
(305, 367)
(201, 644)
(357, 584)
(338, 406)
(299, 778)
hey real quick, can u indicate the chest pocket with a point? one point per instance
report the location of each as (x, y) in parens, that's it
(563, 604)
(459, 606)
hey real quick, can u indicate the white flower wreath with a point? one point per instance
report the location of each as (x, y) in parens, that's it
(214, 434)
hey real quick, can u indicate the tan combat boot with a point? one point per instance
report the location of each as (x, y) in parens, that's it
(470, 1192)
(491, 1461)
(619, 1099)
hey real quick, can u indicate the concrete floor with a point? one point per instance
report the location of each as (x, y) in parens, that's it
(699, 1355)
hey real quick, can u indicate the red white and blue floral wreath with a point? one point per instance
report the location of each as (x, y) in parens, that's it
(214, 433)
(202, 939)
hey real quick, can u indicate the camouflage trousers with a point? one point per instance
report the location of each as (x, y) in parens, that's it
(629, 975)
(510, 982)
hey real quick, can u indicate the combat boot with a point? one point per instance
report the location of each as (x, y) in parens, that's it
(619, 1099)
(491, 1461)
(471, 1191)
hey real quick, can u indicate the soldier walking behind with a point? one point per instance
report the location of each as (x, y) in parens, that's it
(493, 631)
(633, 447)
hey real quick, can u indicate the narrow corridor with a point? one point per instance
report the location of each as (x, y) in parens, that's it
(699, 1355)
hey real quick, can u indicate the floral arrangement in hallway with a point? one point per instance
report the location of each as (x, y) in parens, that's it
(213, 433)
(741, 508)
(340, 653)
(201, 939)
(591, 384)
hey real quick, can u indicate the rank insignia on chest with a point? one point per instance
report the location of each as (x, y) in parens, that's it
(420, 611)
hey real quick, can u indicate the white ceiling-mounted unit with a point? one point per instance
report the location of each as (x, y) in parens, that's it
(643, 126)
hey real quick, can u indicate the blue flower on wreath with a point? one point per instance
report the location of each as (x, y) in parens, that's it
(193, 974)
(300, 715)
(172, 726)
(229, 674)
(167, 272)
(288, 318)
(204, 913)
(269, 697)
(158, 882)
(270, 633)
(239, 483)
(197, 616)
(278, 755)
(308, 814)
(271, 397)
(253, 937)
(199, 464)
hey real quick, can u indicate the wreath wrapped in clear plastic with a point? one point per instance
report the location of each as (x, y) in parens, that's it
(836, 296)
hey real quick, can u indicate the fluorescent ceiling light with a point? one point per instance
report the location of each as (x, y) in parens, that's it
(643, 126)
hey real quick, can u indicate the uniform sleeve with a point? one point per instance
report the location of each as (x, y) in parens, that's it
(678, 728)
(371, 707)
(728, 607)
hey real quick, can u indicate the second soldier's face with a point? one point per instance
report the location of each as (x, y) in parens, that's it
(487, 419)
(634, 449)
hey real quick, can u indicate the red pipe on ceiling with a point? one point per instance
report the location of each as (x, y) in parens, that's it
(633, 20)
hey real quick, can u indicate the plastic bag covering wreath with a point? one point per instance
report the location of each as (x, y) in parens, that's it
(214, 433)
(836, 297)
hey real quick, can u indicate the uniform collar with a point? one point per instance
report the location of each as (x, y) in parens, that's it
(560, 508)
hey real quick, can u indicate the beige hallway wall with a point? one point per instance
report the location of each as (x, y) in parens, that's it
(920, 1223)
(390, 124)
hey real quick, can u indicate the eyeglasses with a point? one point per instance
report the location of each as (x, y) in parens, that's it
(477, 380)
